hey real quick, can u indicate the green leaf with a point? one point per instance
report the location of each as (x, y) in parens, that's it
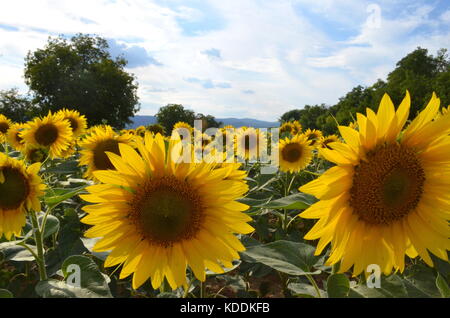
(392, 286)
(285, 256)
(4, 293)
(305, 290)
(298, 201)
(66, 167)
(420, 281)
(13, 252)
(51, 225)
(338, 286)
(92, 283)
(57, 195)
(442, 285)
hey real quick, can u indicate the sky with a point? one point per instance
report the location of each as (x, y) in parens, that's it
(235, 58)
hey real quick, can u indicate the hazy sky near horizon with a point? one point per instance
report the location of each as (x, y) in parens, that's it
(235, 58)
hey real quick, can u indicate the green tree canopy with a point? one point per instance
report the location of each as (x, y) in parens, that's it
(208, 121)
(419, 72)
(80, 74)
(170, 114)
(15, 106)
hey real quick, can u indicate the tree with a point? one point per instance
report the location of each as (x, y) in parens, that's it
(80, 74)
(170, 114)
(16, 107)
(208, 121)
(291, 115)
(419, 72)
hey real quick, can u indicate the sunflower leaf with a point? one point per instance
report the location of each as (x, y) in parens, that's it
(51, 225)
(82, 277)
(338, 286)
(297, 201)
(58, 195)
(13, 252)
(442, 285)
(4, 293)
(284, 256)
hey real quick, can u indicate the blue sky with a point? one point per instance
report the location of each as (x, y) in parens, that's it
(235, 58)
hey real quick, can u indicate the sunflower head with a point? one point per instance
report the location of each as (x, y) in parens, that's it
(52, 132)
(158, 217)
(313, 136)
(95, 146)
(78, 123)
(154, 129)
(325, 142)
(387, 196)
(182, 124)
(294, 153)
(13, 136)
(287, 127)
(20, 189)
(250, 143)
(5, 124)
(140, 131)
(33, 154)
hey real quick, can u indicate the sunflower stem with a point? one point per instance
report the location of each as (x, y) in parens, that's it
(40, 260)
(313, 282)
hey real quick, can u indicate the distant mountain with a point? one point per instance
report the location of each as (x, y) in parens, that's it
(235, 122)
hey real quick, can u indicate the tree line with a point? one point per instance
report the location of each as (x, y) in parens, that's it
(419, 72)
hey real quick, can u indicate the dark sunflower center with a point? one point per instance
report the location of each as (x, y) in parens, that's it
(312, 138)
(4, 127)
(292, 152)
(101, 160)
(18, 138)
(388, 186)
(46, 134)
(73, 123)
(326, 142)
(14, 190)
(167, 210)
(36, 155)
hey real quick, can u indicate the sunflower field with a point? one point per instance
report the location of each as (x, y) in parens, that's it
(97, 212)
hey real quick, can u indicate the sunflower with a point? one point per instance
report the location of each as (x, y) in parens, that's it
(287, 127)
(20, 188)
(13, 137)
(140, 131)
(387, 196)
(158, 217)
(295, 153)
(445, 110)
(94, 148)
(182, 124)
(52, 132)
(250, 143)
(5, 124)
(297, 127)
(70, 151)
(78, 123)
(325, 141)
(34, 154)
(313, 136)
